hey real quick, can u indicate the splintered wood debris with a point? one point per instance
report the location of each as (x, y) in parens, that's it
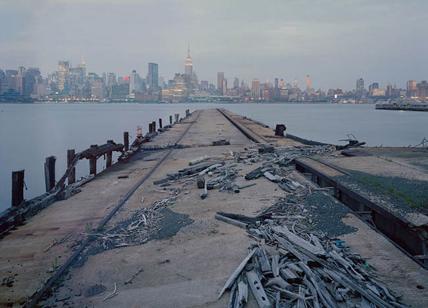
(290, 264)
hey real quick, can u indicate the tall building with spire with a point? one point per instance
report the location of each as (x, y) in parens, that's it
(188, 64)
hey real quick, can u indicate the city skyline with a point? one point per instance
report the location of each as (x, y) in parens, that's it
(335, 42)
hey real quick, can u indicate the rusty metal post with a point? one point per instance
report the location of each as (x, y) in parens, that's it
(17, 187)
(93, 163)
(170, 120)
(160, 123)
(126, 141)
(71, 154)
(50, 172)
(109, 156)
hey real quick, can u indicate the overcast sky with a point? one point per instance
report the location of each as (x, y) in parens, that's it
(335, 41)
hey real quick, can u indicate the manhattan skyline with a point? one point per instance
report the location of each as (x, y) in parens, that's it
(333, 41)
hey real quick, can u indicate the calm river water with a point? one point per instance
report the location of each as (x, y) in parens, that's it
(31, 132)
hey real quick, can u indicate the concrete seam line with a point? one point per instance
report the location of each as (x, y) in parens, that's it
(249, 133)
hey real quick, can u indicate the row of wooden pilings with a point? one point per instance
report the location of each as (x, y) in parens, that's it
(18, 182)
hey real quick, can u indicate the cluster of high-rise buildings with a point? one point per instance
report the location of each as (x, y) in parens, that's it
(74, 83)
(413, 90)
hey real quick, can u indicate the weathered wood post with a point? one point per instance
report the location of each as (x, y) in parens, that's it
(93, 162)
(17, 187)
(126, 141)
(50, 172)
(150, 128)
(154, 126)
(160, 123)
(177, 116)
(71, 154)
(170, 120)
(187, 113)
(109, 158)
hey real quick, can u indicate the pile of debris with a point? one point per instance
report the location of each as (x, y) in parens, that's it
(289, 266)
(210, 173)
(283, 156)
(293, 264)
(136, 230)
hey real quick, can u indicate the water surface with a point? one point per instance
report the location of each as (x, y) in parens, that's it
(31, 132)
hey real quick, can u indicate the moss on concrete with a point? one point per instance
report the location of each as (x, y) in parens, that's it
(402, 191)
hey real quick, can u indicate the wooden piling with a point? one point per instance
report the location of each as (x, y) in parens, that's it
(17, 187)
(50, 172)
(154, 126)
(126, 141)
(170, 120)
(160, 123)
(109, 156)
(71, 154)
(93, 162)
(177, 116)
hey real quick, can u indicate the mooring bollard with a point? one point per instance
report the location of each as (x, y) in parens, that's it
(109, 156)
(170, 120)
(160, 123)
(280, 129)
(71, 154)
(93, 162)
(126, 141)
(50, 173)
(17, 187)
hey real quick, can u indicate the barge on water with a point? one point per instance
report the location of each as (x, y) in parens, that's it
(407, 105)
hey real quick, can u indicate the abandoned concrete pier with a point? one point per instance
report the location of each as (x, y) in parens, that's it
(158, 228)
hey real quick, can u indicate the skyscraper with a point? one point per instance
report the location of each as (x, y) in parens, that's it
(412, 88)
(134, 83)
(236, 83)
(422, 91)
(31, 77)
(276, 92)
(20, 80)
(220, 81)
(11, 79)
(63, 75)
(153, 77)
(255, 89)
(308, 83)
(359, 89)
(188, 65)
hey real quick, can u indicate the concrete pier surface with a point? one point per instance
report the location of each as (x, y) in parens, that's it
(187, 257)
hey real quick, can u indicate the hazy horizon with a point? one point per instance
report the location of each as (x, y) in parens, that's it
(335, 42)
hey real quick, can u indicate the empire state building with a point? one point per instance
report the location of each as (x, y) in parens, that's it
(188, 65)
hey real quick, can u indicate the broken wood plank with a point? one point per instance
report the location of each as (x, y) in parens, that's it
(297, 240)
(257, 290)
(237, 271)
